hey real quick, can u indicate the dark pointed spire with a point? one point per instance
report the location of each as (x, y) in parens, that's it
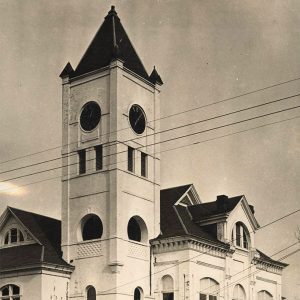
(110, 42)
(155, 78)
(67, 71)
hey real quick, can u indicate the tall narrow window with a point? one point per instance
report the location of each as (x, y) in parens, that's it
(238, 234)
(130, 158)
(168, 287)
(144, 160)
(82, 161)
(209, 289)
(91, 293)
(99, 157)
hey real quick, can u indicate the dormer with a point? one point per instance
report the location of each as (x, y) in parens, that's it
(12, 231)
(232, 220)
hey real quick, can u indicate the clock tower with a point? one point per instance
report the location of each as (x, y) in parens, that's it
(110, 168)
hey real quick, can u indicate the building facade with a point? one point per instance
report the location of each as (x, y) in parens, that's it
(120, 235)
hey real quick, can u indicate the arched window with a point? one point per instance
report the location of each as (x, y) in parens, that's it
(10, 292)
(209, 289)
(91, 227)
(167, 287)
(13, 236)
(240, 235)
(138, 294)
(90, 293)
(137, 230)
(239, 293)
(264, 295)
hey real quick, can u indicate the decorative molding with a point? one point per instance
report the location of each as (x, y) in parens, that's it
(268, 266)
(137, 196)
(138, 251)
(89, 249)
(87, 195)
(266, 280)
(198, 262)
(188, 243)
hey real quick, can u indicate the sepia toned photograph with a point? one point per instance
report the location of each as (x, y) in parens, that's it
(150, 150)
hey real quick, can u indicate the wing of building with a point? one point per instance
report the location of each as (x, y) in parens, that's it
(120, 235)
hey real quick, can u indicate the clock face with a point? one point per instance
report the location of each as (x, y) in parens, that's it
(137, 118)
(90, 116)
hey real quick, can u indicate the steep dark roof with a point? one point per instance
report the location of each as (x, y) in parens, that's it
(266, 258)
(110, 42)
(46, 230)
(175, 220)
(155, 78)
(209, 209)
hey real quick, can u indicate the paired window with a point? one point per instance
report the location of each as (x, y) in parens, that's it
(239, 293)
(14, 235)
(240, 235)
(144, 158)
(137, 230)
(90, 293)
(209, 289)
(98, 159)
(92, 227)
(82, 161)
(131, 160)
(10, 292)
(264, 295)
(167, 287)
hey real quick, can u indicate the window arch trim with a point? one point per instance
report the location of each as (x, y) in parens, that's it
(10, 292)
(240, 235)
(14, 235)
(83, 234)
(137, 230)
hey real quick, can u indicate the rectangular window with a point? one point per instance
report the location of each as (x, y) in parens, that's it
(168, 296)
(211, 297)
(144, 159)
(238, 235)
(82, 161)
(202, 296)
(13, 235)
(130, 158)
(99, 157)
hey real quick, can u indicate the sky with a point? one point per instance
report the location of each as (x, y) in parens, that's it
(205, 52)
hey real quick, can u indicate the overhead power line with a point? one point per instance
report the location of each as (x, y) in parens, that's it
(163, 141)
(187, 260)
(107, 144)
(167, 116)
(154, 153)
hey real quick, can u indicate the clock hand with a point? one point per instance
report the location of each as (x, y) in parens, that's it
(138, 119)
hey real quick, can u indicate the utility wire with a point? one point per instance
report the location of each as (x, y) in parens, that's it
(249, 275)
(249, 268)
(185, 260)
(161, 142)
(106, 144)
(168, 116)
(154, 153)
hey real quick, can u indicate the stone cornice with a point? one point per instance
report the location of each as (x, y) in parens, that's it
(180, 243)
(269, 266)
(67, 270)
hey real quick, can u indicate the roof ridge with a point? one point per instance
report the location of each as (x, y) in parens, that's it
(33, 213)
(174, 187)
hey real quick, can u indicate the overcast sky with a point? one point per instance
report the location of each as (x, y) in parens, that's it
(205, 51)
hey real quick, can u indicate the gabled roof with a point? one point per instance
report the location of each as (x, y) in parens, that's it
(46, 231)
(175, 220)
(110, 42)
(209, 209)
